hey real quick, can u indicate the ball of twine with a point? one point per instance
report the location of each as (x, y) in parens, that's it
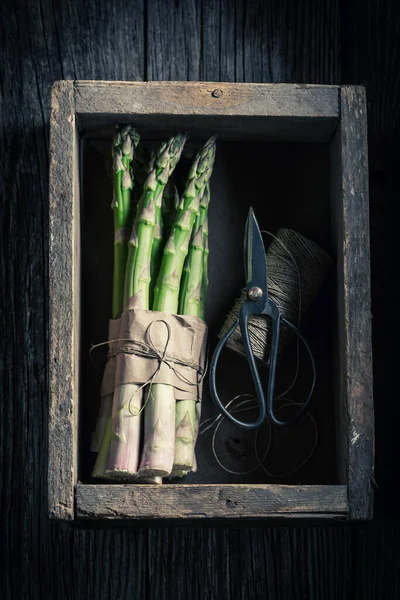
(297, 268)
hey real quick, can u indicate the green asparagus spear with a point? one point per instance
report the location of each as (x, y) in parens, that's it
(124, 147)
(124, 144)
(192, 300)
(185, 414)
(141, 168)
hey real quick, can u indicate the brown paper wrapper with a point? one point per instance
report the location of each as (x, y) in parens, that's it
(107, 385)
(147, 331)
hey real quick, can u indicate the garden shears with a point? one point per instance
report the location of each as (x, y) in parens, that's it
(258, 303)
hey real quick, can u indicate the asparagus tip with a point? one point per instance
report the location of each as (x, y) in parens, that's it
(118, 164)
(127, 183)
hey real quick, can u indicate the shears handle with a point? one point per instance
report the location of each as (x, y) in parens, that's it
(248, 309)
(253, 367)
(272, 311)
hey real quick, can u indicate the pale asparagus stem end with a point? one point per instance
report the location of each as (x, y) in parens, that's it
(184, 435)
(148, 479)
(102, 420)
(100, 466)
(123, 457)
(159, 448)
(180, 473)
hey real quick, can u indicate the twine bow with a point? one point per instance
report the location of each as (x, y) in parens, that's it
(150, 351)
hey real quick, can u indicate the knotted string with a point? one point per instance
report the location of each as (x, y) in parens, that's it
(151, 351)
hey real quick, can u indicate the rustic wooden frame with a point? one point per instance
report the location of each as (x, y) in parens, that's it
(281, 111)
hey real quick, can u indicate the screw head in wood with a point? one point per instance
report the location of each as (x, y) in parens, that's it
(216, 93)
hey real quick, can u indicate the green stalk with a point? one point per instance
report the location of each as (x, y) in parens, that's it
(169, 206)
(141, 167)
(129, 142)
(156, 252)
(158, 453)
(191, 304)
(124, 145)
(191, 300)
(165, 215)
(204, 281)
(202, 221)
(203, 305)
(181, 447)
(128, 398)
(119, 237)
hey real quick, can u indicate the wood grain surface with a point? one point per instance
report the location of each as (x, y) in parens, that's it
(350, 228)
(303, 42)
(64, 277)
(204, 501)
(356, 324)
(307, 112)
(189, 98)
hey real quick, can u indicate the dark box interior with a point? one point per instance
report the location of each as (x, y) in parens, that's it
(288, 185)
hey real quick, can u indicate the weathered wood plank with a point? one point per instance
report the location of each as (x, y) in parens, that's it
(351, 212)
(206, 98)
(210, 501)
(339, 358)
(307, 113)
(359, 385)
(64, 302)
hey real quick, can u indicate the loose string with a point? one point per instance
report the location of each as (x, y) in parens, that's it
(207, 424)
(248, 405)
(307, 458)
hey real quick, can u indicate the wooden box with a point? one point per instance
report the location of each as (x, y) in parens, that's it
(298, 154)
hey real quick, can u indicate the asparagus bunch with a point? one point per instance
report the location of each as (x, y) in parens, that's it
(124, 148)
(159, 449)
(163, 266)
(145, 246)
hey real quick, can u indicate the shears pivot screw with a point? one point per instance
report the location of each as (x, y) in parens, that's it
(254, 294)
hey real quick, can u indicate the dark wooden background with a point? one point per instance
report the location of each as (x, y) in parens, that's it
(319, 41)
